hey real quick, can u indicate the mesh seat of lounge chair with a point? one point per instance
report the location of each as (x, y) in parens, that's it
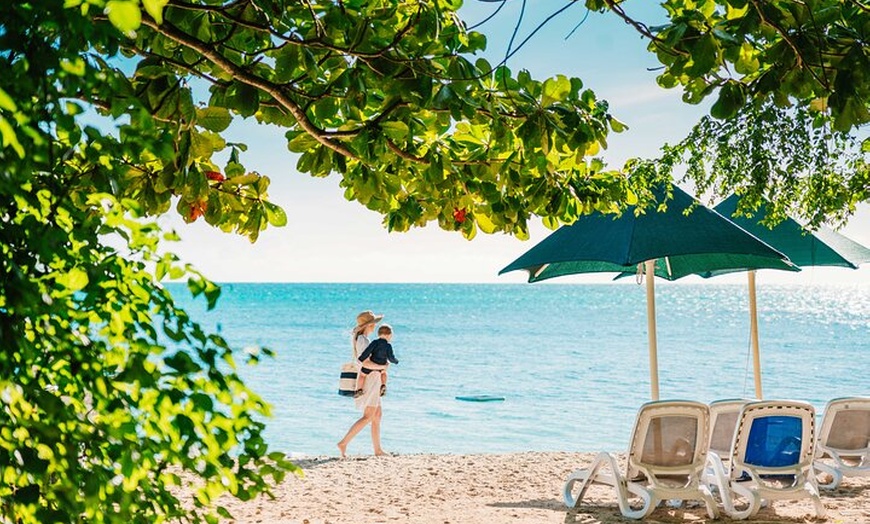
(771, 458)
(666, 457)
(723, 424)
(844, 439)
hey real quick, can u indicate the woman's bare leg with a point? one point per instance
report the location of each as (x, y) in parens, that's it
(376, 432)
(360, 382)
(368, 416)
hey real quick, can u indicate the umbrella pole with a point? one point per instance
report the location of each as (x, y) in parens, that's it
(650, 270)
(753, 335)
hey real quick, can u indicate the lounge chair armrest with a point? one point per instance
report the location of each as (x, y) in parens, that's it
(835, 473)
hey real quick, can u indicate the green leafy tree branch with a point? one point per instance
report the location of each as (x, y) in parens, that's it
(113, 398)
(384, 94)
(812, 53)
(791, 96)
(115, 401)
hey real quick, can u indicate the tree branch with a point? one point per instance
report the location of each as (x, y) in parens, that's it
(190, 68)
(320, 43)
(818, 41)
(314, 18)
(861, 5)
(204, 7)
(404, 154)
(408, 156)
(243, 75)
(801, 62)
(642, 28)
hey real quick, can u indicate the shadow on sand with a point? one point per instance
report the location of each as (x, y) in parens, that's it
(551, 504)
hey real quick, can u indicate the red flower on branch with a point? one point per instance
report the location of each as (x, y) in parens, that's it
(214, 175)
(459, 215)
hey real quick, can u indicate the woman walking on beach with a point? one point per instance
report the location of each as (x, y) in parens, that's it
(370, 400)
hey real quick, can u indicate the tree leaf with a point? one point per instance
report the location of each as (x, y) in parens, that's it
(74, 280)
(485, 223)
(182, 363)
(555, 90)
(6, 101)
(748, 62)
(201, 146)
(241, 180)
(244, 98)
(215, 119)
(731, 99)
(125, 15)
(7, 133)
(301, 143)
(819, 104)
(155, 9)
(852, 114)
(617, 126)
(395, 130)
(275, 215)
(704, 56)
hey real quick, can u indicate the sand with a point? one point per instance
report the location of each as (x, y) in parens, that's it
(506, 488)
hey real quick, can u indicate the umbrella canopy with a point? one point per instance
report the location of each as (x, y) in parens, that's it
(702, 242)
(670, 244)
(822, 247)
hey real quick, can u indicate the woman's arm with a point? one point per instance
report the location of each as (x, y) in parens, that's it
(367, 363)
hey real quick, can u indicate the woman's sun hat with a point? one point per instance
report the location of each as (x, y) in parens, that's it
(367, 317)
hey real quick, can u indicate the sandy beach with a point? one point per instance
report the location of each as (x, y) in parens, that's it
(455, 489)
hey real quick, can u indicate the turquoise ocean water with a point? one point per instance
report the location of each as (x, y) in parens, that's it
(571, 360)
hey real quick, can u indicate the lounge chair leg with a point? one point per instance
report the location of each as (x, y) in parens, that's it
(753, 502)
(716, 477)
(569, 499)
(594, 475)
(710, 502)
(817, 500)
(650, 501)
(836, 476)
(586, 477)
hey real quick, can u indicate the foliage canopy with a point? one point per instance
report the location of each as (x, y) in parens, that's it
(791, 87)
(112, 111)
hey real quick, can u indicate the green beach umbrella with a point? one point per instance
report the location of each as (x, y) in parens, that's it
(822, 247)
(670, 244)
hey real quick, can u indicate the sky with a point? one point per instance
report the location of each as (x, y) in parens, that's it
(329, 239)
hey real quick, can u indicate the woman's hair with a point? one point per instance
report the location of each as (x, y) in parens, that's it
(355, 333)
(358, 330)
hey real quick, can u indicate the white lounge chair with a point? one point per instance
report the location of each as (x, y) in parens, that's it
(844, 437)
(723, 424)
(771, 458)
(665, 460)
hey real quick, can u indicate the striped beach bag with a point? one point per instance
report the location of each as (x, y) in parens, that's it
(347, 379)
